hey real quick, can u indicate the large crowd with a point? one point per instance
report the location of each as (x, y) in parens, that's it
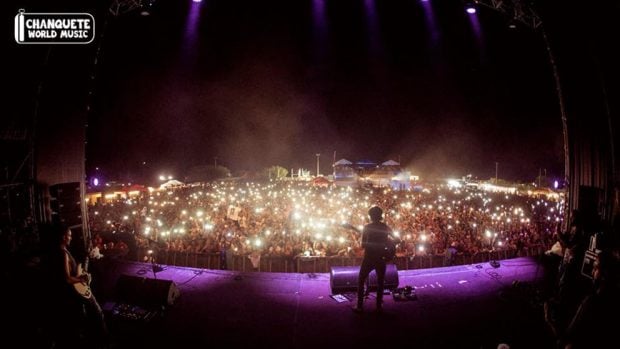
(291, 219)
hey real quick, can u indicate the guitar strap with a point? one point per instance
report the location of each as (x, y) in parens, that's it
(72, 262)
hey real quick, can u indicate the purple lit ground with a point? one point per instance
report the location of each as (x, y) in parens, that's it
(472, 306)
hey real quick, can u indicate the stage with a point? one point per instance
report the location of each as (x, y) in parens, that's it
(470, 306)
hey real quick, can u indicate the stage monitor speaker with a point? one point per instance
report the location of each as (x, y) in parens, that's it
(145, 292)
(588, 264)
(344, 279)
(391, 278)
(65, 200)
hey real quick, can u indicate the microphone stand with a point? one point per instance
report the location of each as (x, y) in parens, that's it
(154, 266)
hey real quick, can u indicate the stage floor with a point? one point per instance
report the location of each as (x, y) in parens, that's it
(470, 306)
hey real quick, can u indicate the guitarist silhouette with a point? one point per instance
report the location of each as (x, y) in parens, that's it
(77, 303)
(375, 237)
(389, 250)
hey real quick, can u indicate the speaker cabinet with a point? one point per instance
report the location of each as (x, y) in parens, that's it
(145, 292)
(391, 278)
(65, 200)
(344, 279)
(588, 264)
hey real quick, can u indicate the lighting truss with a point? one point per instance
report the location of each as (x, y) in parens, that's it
(516, 9)
(119, 7)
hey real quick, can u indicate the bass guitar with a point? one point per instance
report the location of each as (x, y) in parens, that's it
(389, 250)
(83, 288)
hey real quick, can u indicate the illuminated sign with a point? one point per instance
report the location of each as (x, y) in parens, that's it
(54, 28)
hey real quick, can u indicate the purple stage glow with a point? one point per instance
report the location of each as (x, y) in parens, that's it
(430, 22)
(320, 27)
(190, 36)
(192, 20)
(270, 304)
(373, 25)
(318, 14)
(475, 23)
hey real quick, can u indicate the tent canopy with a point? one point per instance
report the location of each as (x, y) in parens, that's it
(320, 181)
(170, 183)
(390, 163)
(343, 162)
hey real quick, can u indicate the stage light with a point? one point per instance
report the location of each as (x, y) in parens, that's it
(470, 7)
(512, 24)
(145, 7)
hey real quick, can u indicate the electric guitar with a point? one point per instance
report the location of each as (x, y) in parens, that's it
(83, 288)
(389, 250)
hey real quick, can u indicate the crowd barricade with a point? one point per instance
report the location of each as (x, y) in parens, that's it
(313, 264)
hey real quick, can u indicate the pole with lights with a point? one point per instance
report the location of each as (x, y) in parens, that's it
(318, 155)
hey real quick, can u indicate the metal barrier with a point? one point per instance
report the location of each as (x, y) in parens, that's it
(302, 264)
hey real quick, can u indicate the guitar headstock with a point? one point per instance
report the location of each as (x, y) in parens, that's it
(350, 226)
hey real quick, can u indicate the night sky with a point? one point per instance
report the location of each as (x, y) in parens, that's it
(273, 82)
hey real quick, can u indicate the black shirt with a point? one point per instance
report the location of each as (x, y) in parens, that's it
(374, 239)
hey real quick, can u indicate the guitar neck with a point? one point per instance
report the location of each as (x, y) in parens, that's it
(82, 268)
(352, 227)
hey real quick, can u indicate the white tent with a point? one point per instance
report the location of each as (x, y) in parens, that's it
(343, 162)
(170, 183)
(390, 163)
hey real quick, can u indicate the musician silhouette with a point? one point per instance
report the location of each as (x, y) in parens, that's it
(375, 236)
(83, 323)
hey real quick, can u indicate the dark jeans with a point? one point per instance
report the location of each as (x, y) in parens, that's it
(76, 322)
(368, 264)
(97, 328)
